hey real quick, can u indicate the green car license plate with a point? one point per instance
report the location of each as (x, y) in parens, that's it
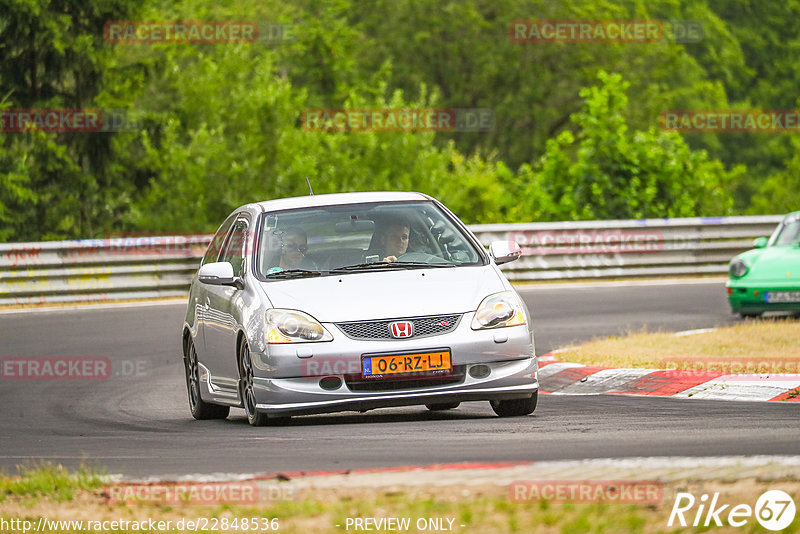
(782, 296)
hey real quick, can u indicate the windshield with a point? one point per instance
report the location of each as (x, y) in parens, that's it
(788, 233)
(355, 237)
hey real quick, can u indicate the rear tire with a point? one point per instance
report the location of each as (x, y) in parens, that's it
(515, 407)
(442, 406)
(246, 391)
(200, 409)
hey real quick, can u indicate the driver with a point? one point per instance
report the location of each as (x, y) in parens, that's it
(393, 240)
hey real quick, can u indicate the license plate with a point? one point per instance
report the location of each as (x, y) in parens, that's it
(419, 362)
(782, 296)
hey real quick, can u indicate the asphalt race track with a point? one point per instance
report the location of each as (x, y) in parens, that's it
(137, 422)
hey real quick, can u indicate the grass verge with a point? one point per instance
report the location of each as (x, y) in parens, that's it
(52, 492)
(466, 508)
(48, 480)
(762, 346)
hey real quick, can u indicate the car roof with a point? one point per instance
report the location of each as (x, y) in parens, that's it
(339, 198)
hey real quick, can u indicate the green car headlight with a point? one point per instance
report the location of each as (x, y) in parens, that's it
(738, 269)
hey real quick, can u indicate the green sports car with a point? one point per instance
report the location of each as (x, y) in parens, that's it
(767, 278)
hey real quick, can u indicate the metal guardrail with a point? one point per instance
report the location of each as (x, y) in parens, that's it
(99, 269)
(162, 266)
(630, 248)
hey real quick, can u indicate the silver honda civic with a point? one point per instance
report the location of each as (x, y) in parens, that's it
(354, 301)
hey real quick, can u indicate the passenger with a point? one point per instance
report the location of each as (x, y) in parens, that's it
(293, 248)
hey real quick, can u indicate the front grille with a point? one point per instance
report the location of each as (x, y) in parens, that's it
(423, 327)
(357, 383)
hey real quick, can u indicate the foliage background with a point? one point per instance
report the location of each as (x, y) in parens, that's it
(576, 135)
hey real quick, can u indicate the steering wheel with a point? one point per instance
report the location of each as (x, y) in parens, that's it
(422, 257)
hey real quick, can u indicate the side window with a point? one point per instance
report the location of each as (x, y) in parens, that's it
(212, 252)
(234, 252)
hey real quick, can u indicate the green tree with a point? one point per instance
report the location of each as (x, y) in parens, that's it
(608, 173)
(780, 192)
(232, 136)
(463, 50)
(52, 55)
(221, 122)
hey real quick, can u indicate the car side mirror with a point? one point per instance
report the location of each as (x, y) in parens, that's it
(219, 273)
(760, 242)
(504, 251)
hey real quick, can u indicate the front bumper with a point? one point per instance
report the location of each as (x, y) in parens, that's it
(748, 297)
(299, 396)
(287, 377)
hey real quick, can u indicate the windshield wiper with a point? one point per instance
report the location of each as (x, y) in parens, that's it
(377, 265)
(422, 264)
(294, 273)
(394, 265)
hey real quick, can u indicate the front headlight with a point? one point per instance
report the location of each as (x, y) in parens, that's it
(738, 269)
(291, 326)
(499, 310)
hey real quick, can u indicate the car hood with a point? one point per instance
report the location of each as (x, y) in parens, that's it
(775, 263)
(387, 294)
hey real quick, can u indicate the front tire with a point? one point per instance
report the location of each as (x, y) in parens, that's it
(246, 391)
(515, 407)
(200, 409)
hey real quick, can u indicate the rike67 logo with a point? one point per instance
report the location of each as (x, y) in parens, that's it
(774, 510)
